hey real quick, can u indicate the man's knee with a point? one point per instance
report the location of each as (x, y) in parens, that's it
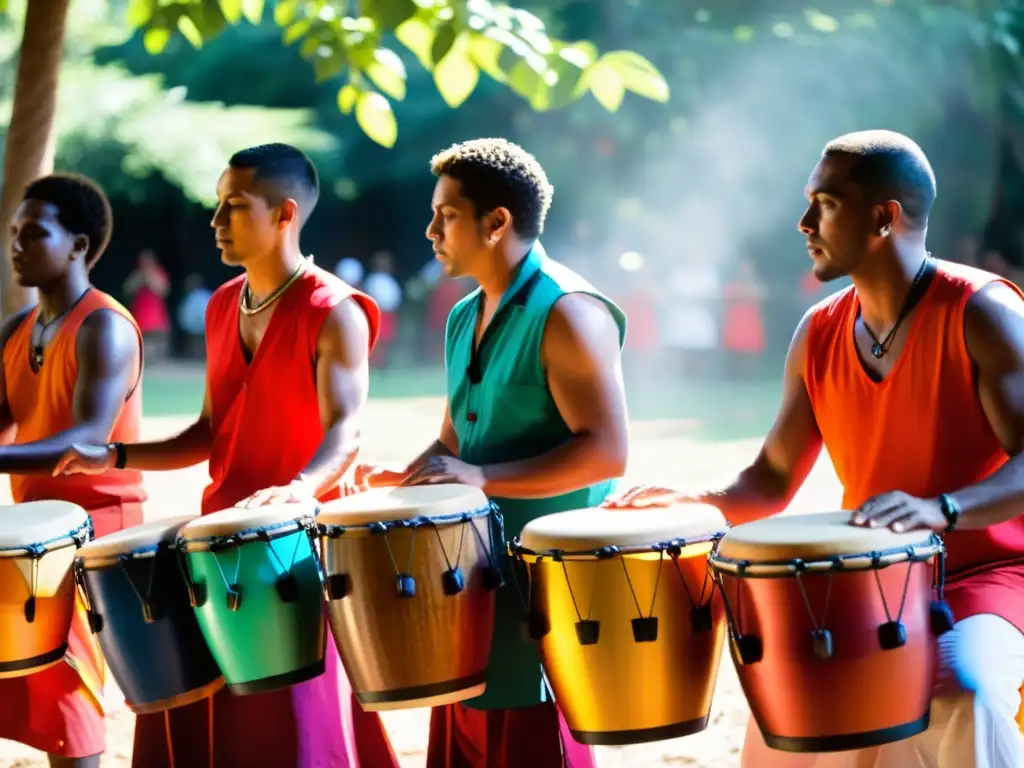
(983, 657)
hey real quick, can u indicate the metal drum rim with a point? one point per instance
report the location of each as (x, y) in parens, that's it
(672, 547)
(188, 545)
(411, 523)
(37, 549)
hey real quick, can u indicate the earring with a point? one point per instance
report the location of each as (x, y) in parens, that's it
(884, 231)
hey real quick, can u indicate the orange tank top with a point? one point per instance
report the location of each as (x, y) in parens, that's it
(922, 430)
(42, 404)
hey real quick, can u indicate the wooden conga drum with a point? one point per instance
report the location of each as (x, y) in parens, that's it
(38, 542)
(624, 610)
(410, 580)
(831, 629)
(140, 612)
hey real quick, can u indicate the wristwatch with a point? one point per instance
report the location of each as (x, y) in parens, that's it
(121, 453)
(950, 510)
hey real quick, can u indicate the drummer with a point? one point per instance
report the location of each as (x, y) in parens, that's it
(913, 379)
(71, 371)
(287, 377)
(536, 417)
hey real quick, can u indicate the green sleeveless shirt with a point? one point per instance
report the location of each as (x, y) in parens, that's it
(509, 415)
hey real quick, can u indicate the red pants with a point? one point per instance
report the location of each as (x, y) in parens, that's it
(533, 737)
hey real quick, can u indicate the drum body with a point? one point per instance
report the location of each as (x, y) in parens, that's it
(139, 610)
(255, 581)
(629, 627)
(38, 542)
(831, 629)
(410, 578)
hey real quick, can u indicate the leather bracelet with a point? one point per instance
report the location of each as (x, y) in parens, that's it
(950, 510)
(122, 455)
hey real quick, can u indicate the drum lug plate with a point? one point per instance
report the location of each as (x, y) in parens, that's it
(536, 625)
(234, 597)
(405, 585)
(645, 630)
(95, 622)
(700, 618)
(339, 585)
(588, 631)
(287, 588)
(196, 594)
(30, 610)
(940, 617)
(892, 635)
(749, 649)
(493, 579)
(150, 611)
(821, 640)
(452, 581)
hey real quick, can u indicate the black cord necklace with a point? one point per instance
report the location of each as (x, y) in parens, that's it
(914, 295)
(37, 349)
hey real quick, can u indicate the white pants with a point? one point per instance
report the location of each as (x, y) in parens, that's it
(973, 715)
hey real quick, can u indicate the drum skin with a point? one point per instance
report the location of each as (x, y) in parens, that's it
(26, 646)
(159, 665)
(408, 652)
(863, 695)
(619, 691)
(267, 643)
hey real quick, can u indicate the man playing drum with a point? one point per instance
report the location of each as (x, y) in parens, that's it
(536, 417)
(287, 377)
(71, 372)
(913, 379)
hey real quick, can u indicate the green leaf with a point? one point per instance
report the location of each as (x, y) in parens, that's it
(284, 12)
(388, 73)
(524, 79)
(326, 67)
(455, 75)
(139, 12)
(296, 30)
(418, 36)
(375, 118)
(638, 75)
(190, 31)
(347, 98)
(389, 13)
(485, 52)
(309, 47)
(253, 10)
(155, 40)
(568, 87)
(232, 10)
(443, 42)
(606, 85)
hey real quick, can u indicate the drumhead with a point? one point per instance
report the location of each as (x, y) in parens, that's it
(138, 538)
(591, 529)
(36, 522)
(383, 504)
(811, 537)
(234, 520)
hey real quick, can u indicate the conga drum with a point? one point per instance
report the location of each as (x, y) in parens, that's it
(831, 628)
(139, 610)
(410, 580)
(38, 542)
(254, 581)
(624, 610)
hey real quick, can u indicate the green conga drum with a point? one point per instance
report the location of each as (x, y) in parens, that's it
(254, 582)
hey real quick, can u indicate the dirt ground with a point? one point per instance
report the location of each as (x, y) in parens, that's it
(395, 430)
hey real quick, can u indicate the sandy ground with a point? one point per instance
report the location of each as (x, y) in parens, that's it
(398, 429)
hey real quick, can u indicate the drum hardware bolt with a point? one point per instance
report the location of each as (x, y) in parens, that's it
(406, 585)
(95, 622)
(234, 597)
(30, 609)
(493, 579)
(674, 550)
(821, 641)
(339, 585)
(892, 635)
(452, 581)
(645, 629)
(287, 588)
(749, 649)
(940, 617)
(587, 631)
(605, 552)
(700, 618)
(537, 625)
(150, 611)
(196, 594)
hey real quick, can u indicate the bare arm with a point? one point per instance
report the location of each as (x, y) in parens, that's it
(185, 449)
(108, 367)
(789, 451)
(994, 333)
(447, 444)
(342, 384)
(7, 327)
(580, 353)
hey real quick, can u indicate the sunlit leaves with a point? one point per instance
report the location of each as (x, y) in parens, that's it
(388, 73)
(374, 116)
(638, 75)
(456, 75)
(155, 40)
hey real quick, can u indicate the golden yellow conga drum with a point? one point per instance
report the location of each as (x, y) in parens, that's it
(38, 544)
(627, 621)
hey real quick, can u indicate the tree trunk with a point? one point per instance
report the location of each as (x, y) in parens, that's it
(30, 137)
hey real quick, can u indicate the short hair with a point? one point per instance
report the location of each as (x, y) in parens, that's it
(82, 209)
(889, 166)
(497, 173)
(288, 171)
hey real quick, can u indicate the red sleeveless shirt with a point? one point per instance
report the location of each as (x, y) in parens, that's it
(265, 416)
(921, 430)
(42, 404)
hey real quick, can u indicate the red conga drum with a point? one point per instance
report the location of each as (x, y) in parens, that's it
(831, 629)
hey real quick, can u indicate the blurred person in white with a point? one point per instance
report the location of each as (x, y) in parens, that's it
(350, 270)
(191, 315)
(692, 323)
(381, 286)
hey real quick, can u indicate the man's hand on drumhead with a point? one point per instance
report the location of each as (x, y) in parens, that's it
(644, 496)
(296, 492)
(446, 469)
(366, 476)
(901, 512)
(83, 459)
